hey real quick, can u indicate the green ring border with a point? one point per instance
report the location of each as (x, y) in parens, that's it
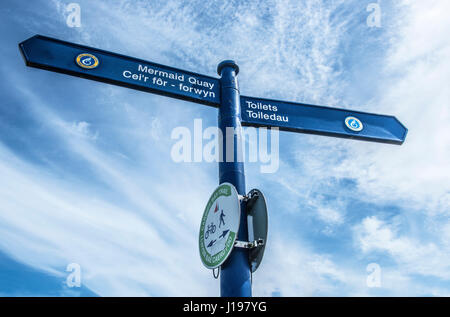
(214, 261)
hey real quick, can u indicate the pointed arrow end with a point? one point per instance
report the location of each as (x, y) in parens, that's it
(23, 48)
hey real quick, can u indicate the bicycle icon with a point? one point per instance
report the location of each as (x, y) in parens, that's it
(211, 229)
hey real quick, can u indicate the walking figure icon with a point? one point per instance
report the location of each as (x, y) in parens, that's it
(222, 215)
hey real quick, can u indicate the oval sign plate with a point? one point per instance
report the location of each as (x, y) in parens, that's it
(87, 60)
(257, 226)
(219, 225)
(354, 124)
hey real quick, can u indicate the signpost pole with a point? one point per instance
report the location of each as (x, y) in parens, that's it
(235, 279)
(91, 63)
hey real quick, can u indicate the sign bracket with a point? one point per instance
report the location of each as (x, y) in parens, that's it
(249, 245)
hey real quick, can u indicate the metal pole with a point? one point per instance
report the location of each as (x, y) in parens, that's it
(235, 278)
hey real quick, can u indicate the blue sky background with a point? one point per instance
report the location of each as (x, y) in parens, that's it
(86, 174)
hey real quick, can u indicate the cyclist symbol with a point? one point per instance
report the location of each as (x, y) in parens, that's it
(211, 229)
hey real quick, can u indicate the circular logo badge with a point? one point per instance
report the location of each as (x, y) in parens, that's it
(219, 226)
(354, 124)
(87, 61)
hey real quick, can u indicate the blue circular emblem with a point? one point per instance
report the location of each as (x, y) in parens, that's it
(353, 124)
(87, 61)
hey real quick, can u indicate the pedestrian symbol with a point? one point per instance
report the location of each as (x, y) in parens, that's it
(222, 215)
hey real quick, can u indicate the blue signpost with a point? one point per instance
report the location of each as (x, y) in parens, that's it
(91, 63)
(234, 111)
(303, 118)
(235, 280)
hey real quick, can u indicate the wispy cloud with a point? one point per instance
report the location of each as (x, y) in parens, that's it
(87, 177)
(412, 255)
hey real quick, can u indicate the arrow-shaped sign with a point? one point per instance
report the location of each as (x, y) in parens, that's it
(87, 62)
(83, 61)
(304, 118)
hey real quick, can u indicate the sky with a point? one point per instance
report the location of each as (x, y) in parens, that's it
(87, 177)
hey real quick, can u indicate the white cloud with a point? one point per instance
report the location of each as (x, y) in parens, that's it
(299, 271)
(329, 215)
(136, 234)
(412, 255)
(82, 129)
(415, 177)
(139, 246)
(415, 90)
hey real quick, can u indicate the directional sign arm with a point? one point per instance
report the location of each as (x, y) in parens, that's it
(68, 58)
(328, 121)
